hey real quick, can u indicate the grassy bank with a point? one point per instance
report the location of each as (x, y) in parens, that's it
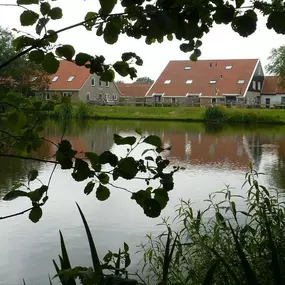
(187, 114)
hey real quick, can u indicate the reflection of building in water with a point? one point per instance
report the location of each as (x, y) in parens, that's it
(202, 148)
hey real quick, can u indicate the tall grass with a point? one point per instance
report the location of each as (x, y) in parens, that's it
(78, 110)
(224, 243)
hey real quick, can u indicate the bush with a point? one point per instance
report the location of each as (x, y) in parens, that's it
(223, 244)
(216, 113)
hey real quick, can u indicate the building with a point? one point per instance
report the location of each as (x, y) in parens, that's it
(272, 92)
(208, 81)
(133, 93)
(77, 83)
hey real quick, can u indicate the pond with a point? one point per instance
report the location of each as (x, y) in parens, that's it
(213, 156)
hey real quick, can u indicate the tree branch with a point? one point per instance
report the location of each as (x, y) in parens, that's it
(16, 214)
(28, 158)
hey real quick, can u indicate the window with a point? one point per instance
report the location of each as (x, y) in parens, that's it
(107, 83)
(173, 100)
(241, 81)
(88, 96)
(93, 81)
(100, 83)
(213, 81)
(258, 85)
(229, 67)
(282, 100)
(210, 64)
(54, 79)
(221, 77)
(189, 81)
(167, 81)
(114, 97)
(187, 67)
(100, 96)
(66, 94)
(254, 85)
(46, 96)
(107, 96)
(70, 78)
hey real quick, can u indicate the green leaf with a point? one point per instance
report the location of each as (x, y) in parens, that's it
(161, 196)
(103, 178)
(245, 25)
(27, 2)
(170, 37)
(152, 208)
(208, 280)
(111, 33)
(28, 18)
(33, 174)
(107, 6)
(153, 140)
(122, 141)
(108, 157)
(35, 214)
(224, 14)
(45, 8)
(52, 36)
(22, 42)
(141, 196)
(65, 154)
(128, 167)
(89, 187)
(275, 21)
(102, 193)
(37, 56)
(15, 194)
(94, 160)
(81, 170)
(66, 51)
(50, 63)
(90, 18)
(37, 194)
(122, 68)
(126, 247)
(41, 24)
(55, 13)
(82, 58)
(108, 75)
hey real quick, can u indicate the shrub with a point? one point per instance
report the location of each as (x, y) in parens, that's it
(216, 113)
(225, 243)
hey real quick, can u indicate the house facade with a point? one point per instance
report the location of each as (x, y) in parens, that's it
(133, 93)
(272, 92)
(77, 83)
(206, 82)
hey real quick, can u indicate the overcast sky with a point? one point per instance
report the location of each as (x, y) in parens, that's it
(221, 42)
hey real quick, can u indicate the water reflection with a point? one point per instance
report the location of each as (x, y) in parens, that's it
(212, 154)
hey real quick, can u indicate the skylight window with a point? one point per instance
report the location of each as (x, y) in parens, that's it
(167, 81)
(55, 79)
(241, 81)
(213, 81)
(229, 67)
(70, 78)
(187, 67)
(189, 81)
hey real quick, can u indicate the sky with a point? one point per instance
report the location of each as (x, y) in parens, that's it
(220, 43)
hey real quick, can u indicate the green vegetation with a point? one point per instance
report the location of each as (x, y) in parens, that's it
(234, 240)
(188, 114)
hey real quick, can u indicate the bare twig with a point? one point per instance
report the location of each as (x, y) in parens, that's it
(16, 214)
(27, 158)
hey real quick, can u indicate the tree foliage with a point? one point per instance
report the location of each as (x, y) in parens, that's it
(144, 80)
(276, 64)
(155, 21)
(21, 75)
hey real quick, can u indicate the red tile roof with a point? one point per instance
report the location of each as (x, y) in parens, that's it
(133, 90)
(66, 70)
(201, 73)
(270, 86)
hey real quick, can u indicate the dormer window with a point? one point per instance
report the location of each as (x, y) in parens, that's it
(213, 81)
(254, 85)
(187, 67)
(229, 67)
(189, 81)
(241, 81)
(70, 78)
(54, 79)
(258, 85)
(93, 81)
(167, 81)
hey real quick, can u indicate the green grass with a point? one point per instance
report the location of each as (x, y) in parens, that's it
(187, 114)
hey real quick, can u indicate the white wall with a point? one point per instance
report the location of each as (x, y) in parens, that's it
(274, 99)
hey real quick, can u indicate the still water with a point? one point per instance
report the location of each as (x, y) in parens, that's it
(212, 155)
